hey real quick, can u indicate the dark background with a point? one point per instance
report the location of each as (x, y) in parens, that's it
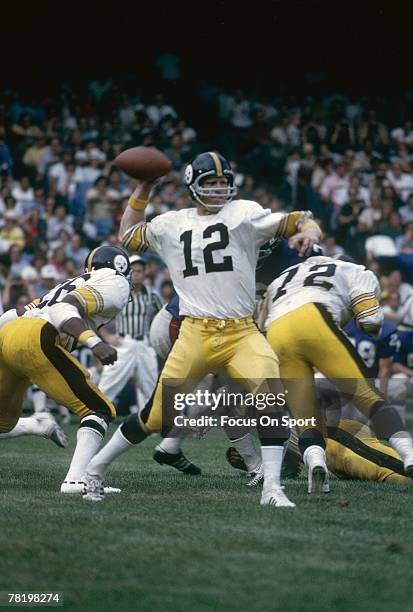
(359, 48)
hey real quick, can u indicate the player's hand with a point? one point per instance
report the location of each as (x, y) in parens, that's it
(303, 242)
(105, 353)
(144, 188)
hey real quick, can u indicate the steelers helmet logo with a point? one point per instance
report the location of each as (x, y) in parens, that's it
(121, 263)
(189, 173)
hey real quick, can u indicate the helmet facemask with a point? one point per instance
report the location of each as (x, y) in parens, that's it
(226, 193)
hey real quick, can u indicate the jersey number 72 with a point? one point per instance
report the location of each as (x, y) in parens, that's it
(311, 280)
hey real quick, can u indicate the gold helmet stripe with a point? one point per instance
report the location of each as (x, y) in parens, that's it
(217, 162)
(89, 260)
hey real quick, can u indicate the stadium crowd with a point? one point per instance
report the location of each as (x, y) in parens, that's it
(61, 195)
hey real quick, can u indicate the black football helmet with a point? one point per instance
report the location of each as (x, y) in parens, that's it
(207, 165)
(108, 257)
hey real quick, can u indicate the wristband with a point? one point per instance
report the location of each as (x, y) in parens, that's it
(308, 225)
(89, 338)
(137, 203)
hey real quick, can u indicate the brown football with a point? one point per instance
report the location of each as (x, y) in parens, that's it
(144, 163)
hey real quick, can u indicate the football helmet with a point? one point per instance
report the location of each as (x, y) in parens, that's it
(210, 165)
(108, 257)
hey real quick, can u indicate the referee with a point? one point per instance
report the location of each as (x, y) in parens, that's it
(136, 358)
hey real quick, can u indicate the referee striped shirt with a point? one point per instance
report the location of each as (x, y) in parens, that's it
(136, 318)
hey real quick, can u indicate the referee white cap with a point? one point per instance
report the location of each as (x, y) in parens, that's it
(137, 259)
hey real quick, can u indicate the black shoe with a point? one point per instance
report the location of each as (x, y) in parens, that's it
(235, 460)
(177, 461)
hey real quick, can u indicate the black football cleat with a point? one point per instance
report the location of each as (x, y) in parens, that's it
(235, 460)
(177, 461)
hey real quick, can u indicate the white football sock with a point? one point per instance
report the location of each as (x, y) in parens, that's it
(39, 400)
(117, 445)
(272, 457)
(314, 455)
(402, 443)
(25, 426)
(170, 445)
(88, 442)
(245, 447)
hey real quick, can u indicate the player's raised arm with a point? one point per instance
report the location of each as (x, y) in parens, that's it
(132, 231)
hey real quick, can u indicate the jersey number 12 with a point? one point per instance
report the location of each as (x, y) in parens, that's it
(210, 265)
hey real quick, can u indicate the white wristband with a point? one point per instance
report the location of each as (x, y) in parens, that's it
(93, 341)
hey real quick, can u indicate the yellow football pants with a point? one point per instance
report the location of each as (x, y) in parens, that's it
(354, 452)
(30, 352)
(308, 338)
(206, 346)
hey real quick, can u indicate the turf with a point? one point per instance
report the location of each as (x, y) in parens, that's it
(172, 542)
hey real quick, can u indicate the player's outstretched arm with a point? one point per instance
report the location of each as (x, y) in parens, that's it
(134, 213)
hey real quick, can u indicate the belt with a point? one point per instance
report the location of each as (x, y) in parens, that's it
(220, 323)
(135, 338)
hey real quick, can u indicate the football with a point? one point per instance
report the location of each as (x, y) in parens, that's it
(144, 163)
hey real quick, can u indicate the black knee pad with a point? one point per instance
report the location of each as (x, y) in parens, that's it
(132, 430)
(385, 420)
(274, 434)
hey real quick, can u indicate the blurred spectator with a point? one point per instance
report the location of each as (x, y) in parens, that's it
(49, 277)
(395, 284)
(334, 185)
(404, 134)
(167, 291)
(57, 221)
(101, 201)
(401, 182)
(392, 309)
(404, 243)
(406, 211)
(75, 251)
(11, 233)
(159, 109)
(23, 193)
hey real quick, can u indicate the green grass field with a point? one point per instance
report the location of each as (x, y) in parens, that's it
(173, 542)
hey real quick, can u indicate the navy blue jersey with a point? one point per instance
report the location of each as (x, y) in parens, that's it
(372, 349)
(173, 306)
(404, 351)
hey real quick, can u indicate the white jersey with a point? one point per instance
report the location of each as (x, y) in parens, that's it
(102, 293)
(212, 258)
(345, 289)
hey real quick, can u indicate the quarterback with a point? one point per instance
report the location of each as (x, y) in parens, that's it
(327, 293)
(211, 252)
(36, 346)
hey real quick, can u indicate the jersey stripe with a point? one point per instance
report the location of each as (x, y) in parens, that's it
(136, 318)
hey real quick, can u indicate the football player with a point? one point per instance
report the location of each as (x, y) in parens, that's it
(305, 308)
(36, 347)
(211, 253)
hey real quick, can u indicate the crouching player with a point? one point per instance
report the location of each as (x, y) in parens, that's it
(35, 348)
